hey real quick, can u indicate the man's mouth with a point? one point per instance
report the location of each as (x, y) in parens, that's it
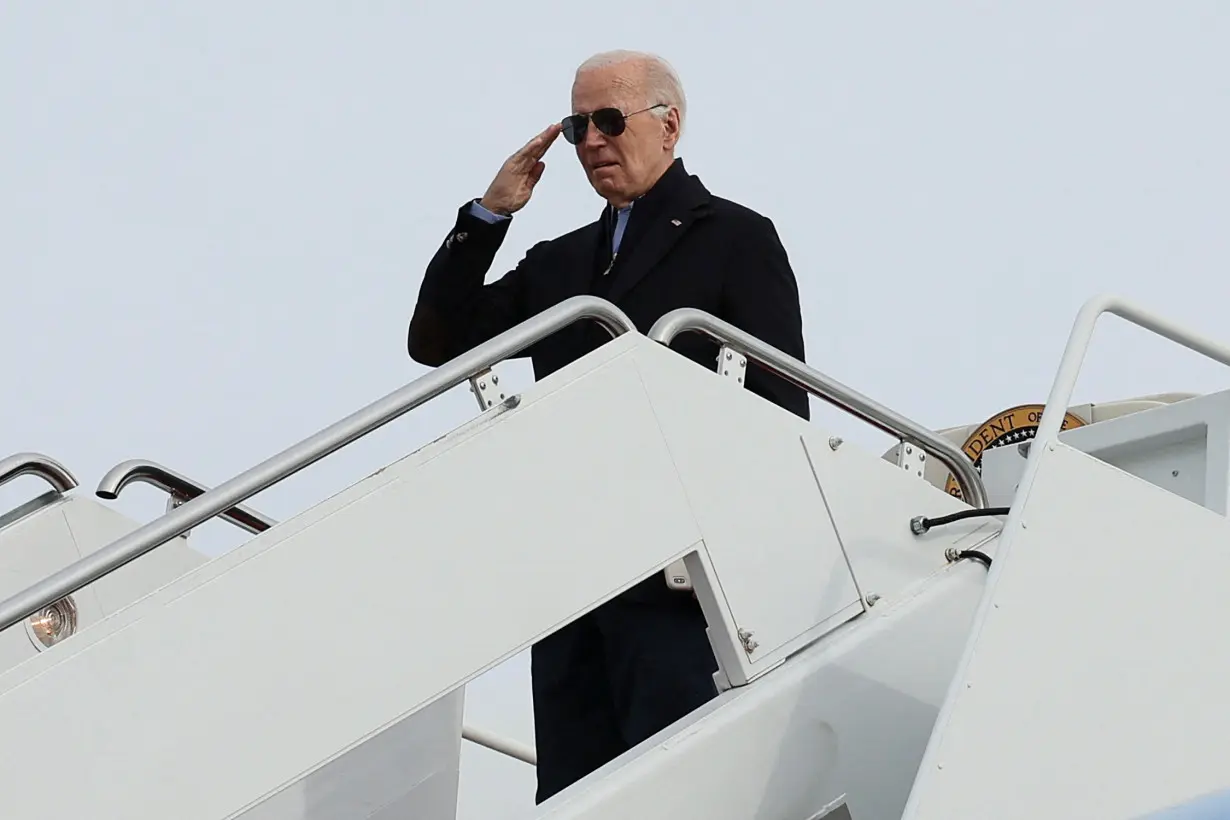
(607, 164)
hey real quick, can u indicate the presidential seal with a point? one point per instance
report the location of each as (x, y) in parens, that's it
(1011, 426)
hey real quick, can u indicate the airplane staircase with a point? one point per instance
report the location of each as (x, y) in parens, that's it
(54, 530)
(317, 670)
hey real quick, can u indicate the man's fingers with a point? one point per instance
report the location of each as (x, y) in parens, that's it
(535, 148)
(536, 172)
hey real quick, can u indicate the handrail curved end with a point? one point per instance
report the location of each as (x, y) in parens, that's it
(119, 477)
(606, 313)
(671, 324)
(37, 464)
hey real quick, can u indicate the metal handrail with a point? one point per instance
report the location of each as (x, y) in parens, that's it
(185, 489)
(37, 464)
(503, 745)
(178, 487)
(310, 450)
(821, 386)
(1074, 353)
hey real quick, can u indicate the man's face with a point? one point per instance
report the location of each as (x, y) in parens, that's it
(623, 168)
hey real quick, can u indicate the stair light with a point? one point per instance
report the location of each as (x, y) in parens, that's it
(53, 623)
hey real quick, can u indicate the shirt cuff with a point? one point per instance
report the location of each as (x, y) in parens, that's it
(476, 209)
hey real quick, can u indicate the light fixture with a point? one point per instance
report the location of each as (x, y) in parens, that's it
(53, 623)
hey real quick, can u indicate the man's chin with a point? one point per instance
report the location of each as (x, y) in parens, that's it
(606, 188)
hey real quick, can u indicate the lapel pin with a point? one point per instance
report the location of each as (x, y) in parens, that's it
(676, 222)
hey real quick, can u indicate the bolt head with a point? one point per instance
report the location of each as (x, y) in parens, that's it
(835, 442)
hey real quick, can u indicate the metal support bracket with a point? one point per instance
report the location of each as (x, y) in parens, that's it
(732, 364)
(912, 459)
(486, 389)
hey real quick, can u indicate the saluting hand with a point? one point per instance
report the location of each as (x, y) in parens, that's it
(512, 186)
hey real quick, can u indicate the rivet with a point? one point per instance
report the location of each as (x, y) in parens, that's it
(834, 442)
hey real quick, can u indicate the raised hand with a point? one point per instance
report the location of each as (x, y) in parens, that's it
(512, 186)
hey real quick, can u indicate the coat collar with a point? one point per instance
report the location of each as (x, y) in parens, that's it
(657, 221)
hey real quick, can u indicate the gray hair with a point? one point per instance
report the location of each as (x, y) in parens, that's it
(662, 84)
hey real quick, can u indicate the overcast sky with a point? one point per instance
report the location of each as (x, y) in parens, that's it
(214, 217)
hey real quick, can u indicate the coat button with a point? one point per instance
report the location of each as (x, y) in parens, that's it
(461, 236)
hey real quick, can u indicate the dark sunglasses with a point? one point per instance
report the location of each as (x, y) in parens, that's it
(610, 121)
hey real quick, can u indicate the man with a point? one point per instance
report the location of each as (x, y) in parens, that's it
(621, 673)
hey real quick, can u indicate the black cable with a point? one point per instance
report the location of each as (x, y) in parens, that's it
(977, 555)
(921, 524)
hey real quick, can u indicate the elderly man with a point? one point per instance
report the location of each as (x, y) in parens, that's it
(618, 675)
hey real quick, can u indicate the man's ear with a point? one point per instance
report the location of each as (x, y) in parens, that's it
(670, 129)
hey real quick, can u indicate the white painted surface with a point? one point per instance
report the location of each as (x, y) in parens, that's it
(1183, 448)
(407, 770)
(1095, 682)
(768, 538)
(850, 715)
(306, 642)
(94, 525)
(375, 602)
(49, 538)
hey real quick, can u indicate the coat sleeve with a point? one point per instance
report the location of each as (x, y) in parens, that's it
(761, 296)
(456, 311)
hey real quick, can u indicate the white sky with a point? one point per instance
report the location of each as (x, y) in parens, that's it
(214, 218)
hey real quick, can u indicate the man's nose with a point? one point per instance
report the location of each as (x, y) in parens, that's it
(594, 138)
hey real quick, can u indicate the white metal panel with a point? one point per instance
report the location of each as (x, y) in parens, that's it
(750, 485)
(872, 502)
(409, 769)
(1182, 447)
(1002, 469)
(201, 698)
(32, 548)
(95, 525)
(847, 716)
(54, 536)
(1094, 684)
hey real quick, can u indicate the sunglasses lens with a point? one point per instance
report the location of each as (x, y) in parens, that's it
(609, 121)
(574, 128)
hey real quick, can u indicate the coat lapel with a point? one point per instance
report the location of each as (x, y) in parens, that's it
(657, 222)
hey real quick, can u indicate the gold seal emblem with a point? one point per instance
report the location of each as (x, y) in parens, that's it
(1010, 426)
